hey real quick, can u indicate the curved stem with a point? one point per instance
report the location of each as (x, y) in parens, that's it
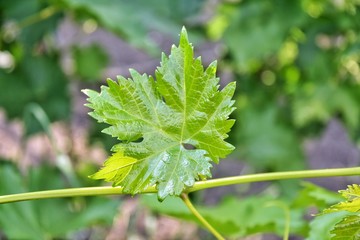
(261, 177)
(70, 192)
(287, 217)
(95, 191)
(206, 224)
(39, 16)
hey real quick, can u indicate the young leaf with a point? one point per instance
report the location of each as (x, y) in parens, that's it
(348, 227)
(352, 195)
(116, 168)
(173, 126)
(321, 226)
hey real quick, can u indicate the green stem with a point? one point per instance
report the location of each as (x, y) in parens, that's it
(262, 177)
(287, 223)
(70, 192)
(286, 210)
(206, 224)
(39, 16)
(95, 191)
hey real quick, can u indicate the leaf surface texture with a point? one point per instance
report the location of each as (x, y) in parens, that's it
(349, 226)
(173, 126)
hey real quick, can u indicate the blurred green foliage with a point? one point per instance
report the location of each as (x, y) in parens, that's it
(89, 62)
(296, 65)
(40, 219)
(262, 213)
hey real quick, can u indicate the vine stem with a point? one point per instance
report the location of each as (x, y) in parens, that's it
(69, 192)
(286, 210)
(207, 225)
(39, 16)
(260, 177)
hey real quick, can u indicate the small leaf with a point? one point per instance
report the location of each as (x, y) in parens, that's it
(352, 194)
(321, 226)
(347, 228)
(180, 117)
(116, 168)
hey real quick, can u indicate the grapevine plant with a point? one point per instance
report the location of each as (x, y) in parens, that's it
(171, 129)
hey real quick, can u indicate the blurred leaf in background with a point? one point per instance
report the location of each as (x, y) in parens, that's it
(235, 217)
(51, 218)
(134, 20)
(266, 143)
(321, 226)
(321, 103)
(90, 62)
(36, 75)
(35, 79)
(258, 29)
(296, 67)
(28, 22)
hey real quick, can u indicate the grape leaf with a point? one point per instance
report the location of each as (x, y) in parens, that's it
(173, 126)
(321, 226)
(352, 203)
(348, 227)
(116, 168)
(351, 193)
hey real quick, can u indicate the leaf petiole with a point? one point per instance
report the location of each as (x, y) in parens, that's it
(287, 217)
(207, 225)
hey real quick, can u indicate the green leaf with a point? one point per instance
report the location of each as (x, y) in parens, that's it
(351, 193)
(250, 45)
(174, 126)
(252, 215)
(348, 227)
(265, 142)
(116, 168)
(313, 195)
(352, 203)
(18, 12)
(134, 20)
(48, 218)
(36, 79)
(90, 61)
(323, 102)
(320, 226)
(234, 217)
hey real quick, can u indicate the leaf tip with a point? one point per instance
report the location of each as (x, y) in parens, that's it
(84, 91)
(133, 71)
(184, 37)
(183, 31)
(88, 92)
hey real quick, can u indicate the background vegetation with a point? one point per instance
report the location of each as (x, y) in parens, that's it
(297, 71)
